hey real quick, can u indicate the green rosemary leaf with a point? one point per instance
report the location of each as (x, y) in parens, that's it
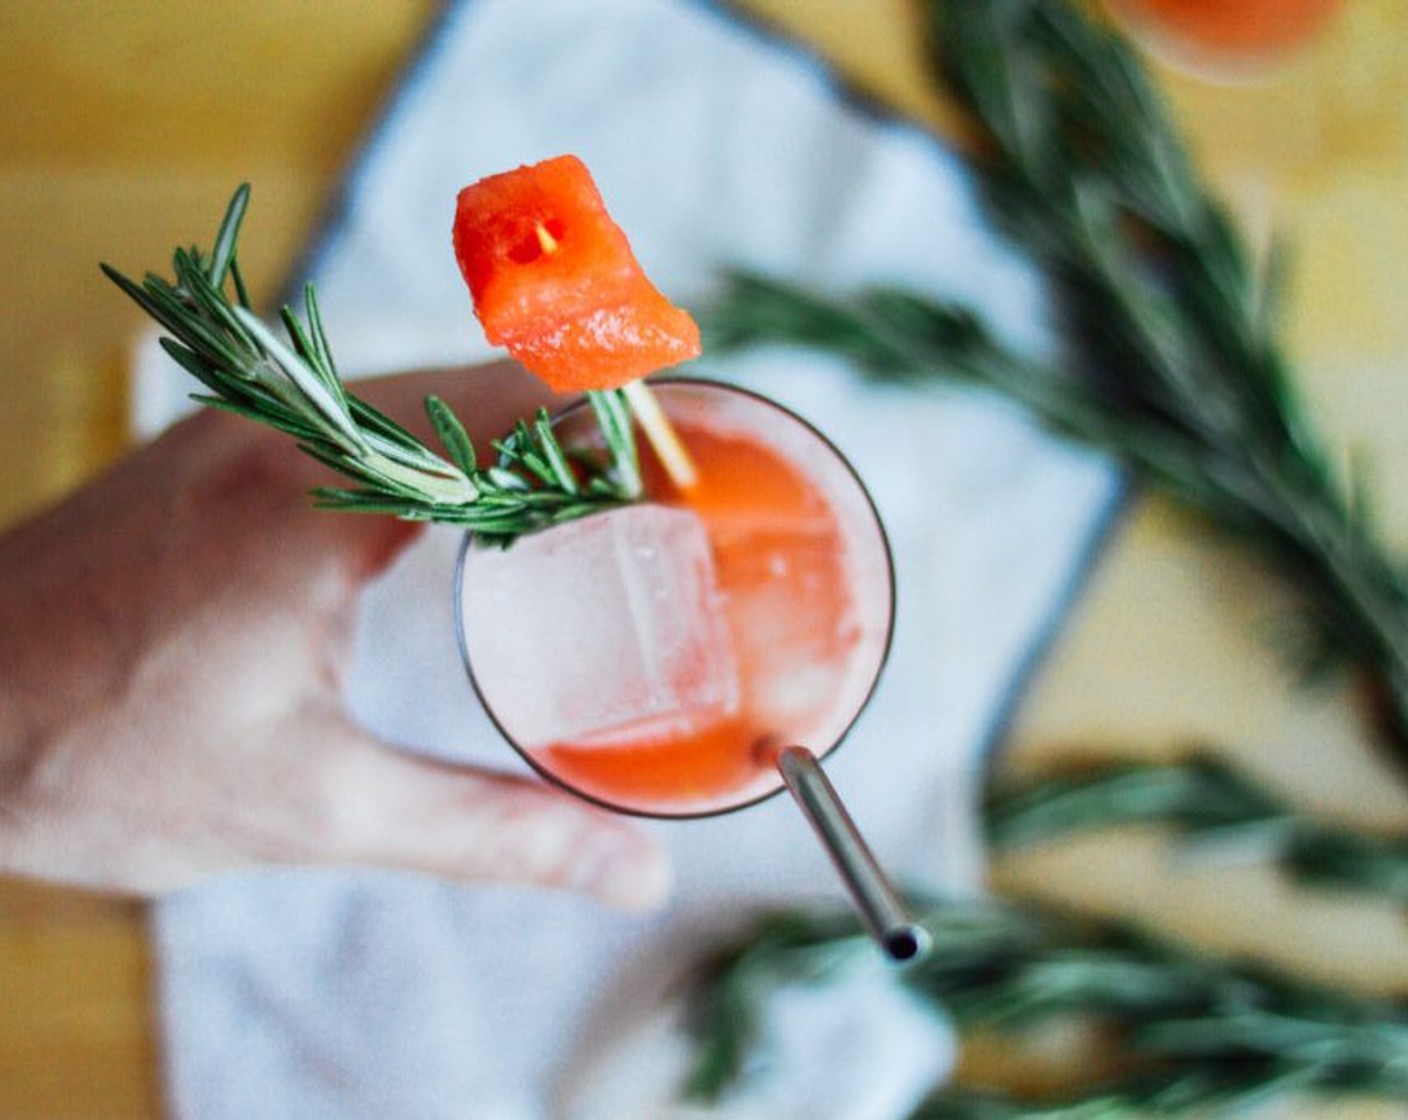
(331, 455)
(227, 336)
(321, 356)
(1202, 794)
(613, 417)
(1191, 1030)
(191, 362)
(521, 447)
(297, 373)
(369, 501)
(728, 987)
(134, 292)
(410, 452)
(222, 257)
(1205, 801)
(506, 481)
(237, 279)
(1342, 860)
(452, 435)
(265, 413)
(304, 347)
(553, 454)
(158, 300)
(375, 422)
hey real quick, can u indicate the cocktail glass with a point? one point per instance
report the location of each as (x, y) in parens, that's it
(769, 606)
(1223, 40)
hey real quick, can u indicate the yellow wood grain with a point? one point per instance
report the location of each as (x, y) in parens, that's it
(75, 1030)
(123, 129)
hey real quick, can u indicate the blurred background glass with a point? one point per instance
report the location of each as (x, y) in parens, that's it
(1230, 33)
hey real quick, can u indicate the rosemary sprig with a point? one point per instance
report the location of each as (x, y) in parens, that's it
(1171, 362)
(1205, 801)
(727, 988)
(1192, 1030)
(1171, 357)
(294, 387)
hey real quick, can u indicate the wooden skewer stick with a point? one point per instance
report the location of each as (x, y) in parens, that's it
(661, 434)
(653, 421)
(546, 241)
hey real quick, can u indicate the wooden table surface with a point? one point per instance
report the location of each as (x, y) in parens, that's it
(122, 130)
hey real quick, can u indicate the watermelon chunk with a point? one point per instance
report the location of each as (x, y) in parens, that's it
(554, 280)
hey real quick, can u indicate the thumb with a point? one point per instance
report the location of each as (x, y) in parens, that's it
(389, 808)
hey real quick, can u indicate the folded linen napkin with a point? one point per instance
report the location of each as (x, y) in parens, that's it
(315, 993)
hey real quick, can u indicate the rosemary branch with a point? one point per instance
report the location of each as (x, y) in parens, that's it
(1193, 1030)
(1205, 801)
(1171, 359)
(1172, 363)
(294, 387)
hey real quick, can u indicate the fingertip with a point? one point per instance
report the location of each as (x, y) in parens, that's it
(636, 877)
(478, 826)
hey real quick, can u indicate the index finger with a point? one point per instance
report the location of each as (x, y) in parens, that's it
(487, 398)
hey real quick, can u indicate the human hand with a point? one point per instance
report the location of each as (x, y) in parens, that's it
(174, 639)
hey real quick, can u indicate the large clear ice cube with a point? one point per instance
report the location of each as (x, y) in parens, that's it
(605, 630)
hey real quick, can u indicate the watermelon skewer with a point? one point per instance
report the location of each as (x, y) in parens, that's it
(554, 281)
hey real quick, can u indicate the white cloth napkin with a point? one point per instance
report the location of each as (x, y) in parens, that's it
(315, 994)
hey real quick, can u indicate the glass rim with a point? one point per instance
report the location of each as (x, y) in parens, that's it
(727, 388)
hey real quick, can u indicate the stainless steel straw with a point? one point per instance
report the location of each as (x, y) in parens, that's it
(875, 898)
